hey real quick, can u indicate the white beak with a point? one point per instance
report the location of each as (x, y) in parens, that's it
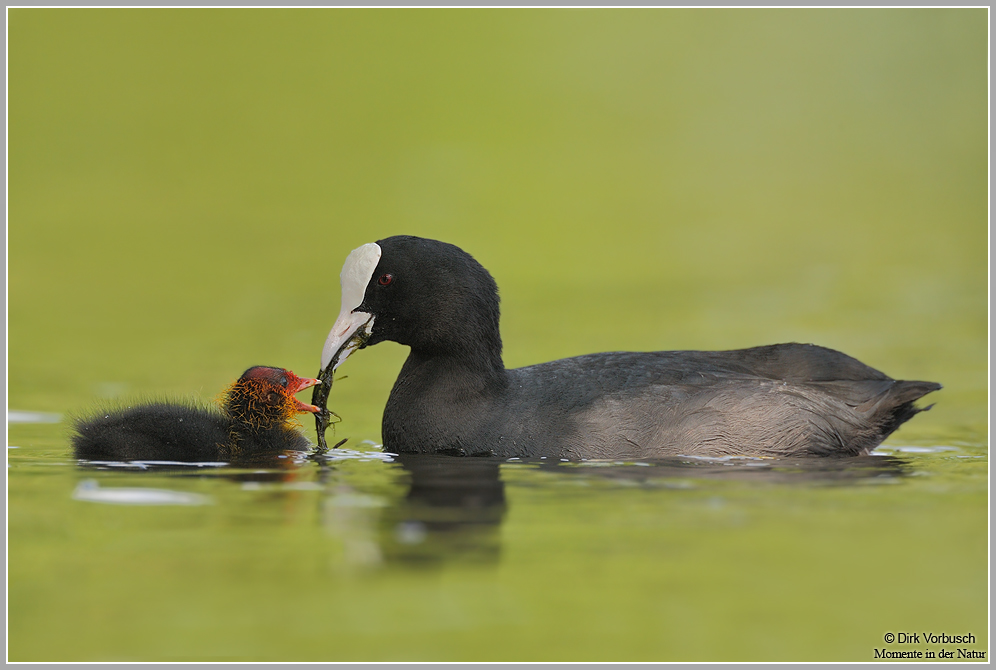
(348, 333)
(352, 328)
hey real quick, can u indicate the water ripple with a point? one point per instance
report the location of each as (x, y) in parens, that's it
(89, 490)
(23, 416)
(354, 455)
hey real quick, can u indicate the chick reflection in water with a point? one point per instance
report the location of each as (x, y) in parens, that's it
(452, 509)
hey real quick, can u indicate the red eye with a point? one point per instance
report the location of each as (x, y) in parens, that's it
(385, 280)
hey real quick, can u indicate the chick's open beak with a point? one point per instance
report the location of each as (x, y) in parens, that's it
(298, 384)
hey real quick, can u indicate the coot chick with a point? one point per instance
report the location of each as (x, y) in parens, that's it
(256, 417)
(454, 395)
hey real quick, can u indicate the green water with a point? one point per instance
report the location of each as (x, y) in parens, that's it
(185, 184)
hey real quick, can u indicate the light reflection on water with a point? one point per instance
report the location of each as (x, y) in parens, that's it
(25, 416)
(90, 490)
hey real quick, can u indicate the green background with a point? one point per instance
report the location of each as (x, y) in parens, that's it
(183, 186)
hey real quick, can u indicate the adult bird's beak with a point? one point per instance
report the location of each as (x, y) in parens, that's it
(353, 327)
(350, 331)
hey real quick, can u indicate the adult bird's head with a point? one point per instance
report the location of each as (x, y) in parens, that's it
(429, 295)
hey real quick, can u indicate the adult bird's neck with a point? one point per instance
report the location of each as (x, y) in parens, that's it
(442, 401)
(468, 345)
(474, 367)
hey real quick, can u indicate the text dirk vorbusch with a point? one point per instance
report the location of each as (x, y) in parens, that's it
(929, 638)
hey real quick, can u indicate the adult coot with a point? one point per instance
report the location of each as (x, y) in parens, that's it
(454, 395)
(255, 418)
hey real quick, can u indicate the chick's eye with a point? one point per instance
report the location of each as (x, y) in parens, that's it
(283, 382)
(385, 279)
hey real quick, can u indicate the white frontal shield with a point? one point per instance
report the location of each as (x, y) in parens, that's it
(354, 278)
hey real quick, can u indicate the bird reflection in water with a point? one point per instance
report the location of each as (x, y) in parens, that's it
(454, 507)
(451, 509)
(810, 471)
(440, 509)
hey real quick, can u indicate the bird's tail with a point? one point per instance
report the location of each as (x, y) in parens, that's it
(895, 406)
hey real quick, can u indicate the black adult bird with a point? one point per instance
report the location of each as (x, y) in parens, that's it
(454, 395)
(255, 418)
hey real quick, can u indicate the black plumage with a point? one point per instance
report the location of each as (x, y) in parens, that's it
(256, 418)
(454, 395)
